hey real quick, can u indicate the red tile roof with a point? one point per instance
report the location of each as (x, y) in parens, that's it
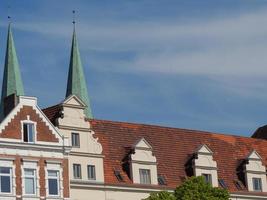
(173, 148)
(52, 112)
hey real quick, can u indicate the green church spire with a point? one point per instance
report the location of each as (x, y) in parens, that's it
(76, 79)
(12, 82)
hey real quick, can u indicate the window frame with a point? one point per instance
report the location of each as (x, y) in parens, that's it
(80, 171)
(148, 175)
(10, 175)
(28, 123)
(57, 178)
(209, 176)
(73, 136)
(34, 176)
(94, 172)
(260, 184)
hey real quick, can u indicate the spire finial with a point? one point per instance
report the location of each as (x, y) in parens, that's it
(74, 17)
(8, 14)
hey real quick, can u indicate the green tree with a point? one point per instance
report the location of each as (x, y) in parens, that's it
(195, 188)
(161, 196)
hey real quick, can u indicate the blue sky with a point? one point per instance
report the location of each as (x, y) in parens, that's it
(181, 63)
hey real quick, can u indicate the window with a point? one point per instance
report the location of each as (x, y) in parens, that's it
(222, 183)
(161, 180)
(118, 175)
(77, 171)
(75, 139)
(30, 181)
(91, 172)
(207, 178)
(238, 184)
(145, 176)
(53, 182)
(5, 180)
(28, 132)
(257, 184)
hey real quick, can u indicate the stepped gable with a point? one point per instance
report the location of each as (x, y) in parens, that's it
(13, 128)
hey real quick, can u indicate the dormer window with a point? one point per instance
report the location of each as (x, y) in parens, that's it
(257, 185)
(143, 168)
(145, 177)
(28, 132)
(255, 173)
(205, 166)
(207, 178)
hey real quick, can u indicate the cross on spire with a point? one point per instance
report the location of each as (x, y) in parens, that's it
(12, 82)
(76, 79)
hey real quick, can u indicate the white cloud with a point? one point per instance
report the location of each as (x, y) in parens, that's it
(234, 45)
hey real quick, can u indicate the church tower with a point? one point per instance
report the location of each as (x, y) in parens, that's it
(12, 82)
(76, 80)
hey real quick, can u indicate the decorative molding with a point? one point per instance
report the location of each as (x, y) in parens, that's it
(76, 153)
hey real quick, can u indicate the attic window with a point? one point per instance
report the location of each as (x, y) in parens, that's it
(222, 183)
(118, 175)
(238, 184)
(161, 180)
(28, 132)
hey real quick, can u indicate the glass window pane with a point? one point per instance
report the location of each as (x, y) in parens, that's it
(52, 173)
(257, 184)
(29, 172)
(5, 184)
(5, 170)
(91, 172)
(29, 186)
(30, 133)
(25, 132)
(53, 186)
(77, 171)
(75, 138)
(145, 176)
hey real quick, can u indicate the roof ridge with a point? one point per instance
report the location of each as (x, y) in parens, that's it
(174, 128)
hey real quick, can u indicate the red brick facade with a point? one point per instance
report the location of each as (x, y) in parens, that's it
(18, 162)
(13, 129)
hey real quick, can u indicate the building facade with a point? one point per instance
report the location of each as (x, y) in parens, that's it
(62, 152)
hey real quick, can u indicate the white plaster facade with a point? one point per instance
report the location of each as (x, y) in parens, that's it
(90, 152)
(204, 164)
(255, 169)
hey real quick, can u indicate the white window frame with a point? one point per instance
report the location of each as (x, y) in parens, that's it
(76, 135)
(91, 178)
(141, 175)
(10, 175)
(54, 166)
(28, 121)
(33, 165)
(54, 178)
(209, 180)
(73, 168)
(34, 177)
(260, 184)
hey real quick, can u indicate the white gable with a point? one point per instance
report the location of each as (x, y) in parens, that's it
(143, 144)
(254, 155)
(204, 149)
(73, 100)
(143, 152)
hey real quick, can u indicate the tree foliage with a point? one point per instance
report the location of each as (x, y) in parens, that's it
(161, 196)
(194, 188)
